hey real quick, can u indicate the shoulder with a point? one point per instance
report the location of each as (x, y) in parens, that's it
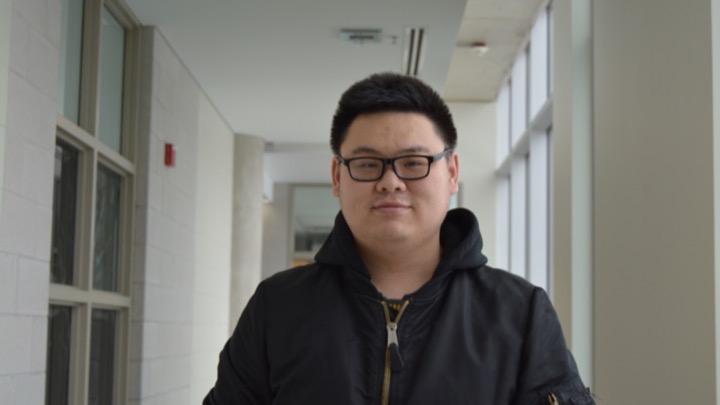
(298, 299)
(291, 276)
(502, 282)
(495, 291)
(299, 283)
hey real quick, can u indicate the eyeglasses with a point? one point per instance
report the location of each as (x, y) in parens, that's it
(408, 167)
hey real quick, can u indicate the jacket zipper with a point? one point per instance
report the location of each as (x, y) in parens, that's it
(393, 361)
(552, 399)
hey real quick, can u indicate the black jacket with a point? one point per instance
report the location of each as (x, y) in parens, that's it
(318, 334)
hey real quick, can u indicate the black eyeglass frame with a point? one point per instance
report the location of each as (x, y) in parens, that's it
(391, 162)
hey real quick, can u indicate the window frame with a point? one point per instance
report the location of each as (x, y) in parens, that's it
(83, 136)
(524, 165)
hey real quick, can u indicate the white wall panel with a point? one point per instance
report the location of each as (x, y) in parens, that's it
(475, 123)
(27, 127)
(213, 244)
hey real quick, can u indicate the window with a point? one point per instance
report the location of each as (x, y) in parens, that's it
(313, 214)
(524, 118)
(92, 205)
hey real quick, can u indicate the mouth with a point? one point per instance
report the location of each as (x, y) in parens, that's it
(391, 208)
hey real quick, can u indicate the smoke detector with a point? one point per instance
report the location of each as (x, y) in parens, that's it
(478, 48)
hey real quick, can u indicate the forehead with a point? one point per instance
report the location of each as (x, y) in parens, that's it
(390, 132)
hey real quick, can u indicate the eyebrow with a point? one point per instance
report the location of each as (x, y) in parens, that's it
(372, 151)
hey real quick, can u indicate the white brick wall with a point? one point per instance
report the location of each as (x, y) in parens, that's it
(28, 75)
(212, 243)
(182, 244)
(180, 268)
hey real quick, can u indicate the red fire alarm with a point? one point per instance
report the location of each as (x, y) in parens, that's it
(169, 155)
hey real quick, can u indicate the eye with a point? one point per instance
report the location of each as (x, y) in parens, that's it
(366, 164)
(414, 162)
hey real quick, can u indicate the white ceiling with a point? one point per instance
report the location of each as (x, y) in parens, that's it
(276, 68)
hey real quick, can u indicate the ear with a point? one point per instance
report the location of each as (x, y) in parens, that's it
(335, 172)
(454, 170)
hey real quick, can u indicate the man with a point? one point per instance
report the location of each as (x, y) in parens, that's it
(400, 307)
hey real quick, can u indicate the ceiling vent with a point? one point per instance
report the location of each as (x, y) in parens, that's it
(414, 50)
(361, 36)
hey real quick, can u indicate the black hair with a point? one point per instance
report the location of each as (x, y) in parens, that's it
(384, 92)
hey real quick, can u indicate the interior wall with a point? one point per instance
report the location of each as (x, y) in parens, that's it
(715, 16)
(29, 43)
(213, 247)
(5, 11)
(475, 124)
(653, 192)
(160, 358)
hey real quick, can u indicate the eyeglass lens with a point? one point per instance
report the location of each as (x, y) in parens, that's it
(406, 167)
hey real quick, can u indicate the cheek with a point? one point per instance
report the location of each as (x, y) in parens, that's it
(353, 195)
(433, 195)
(343, 191)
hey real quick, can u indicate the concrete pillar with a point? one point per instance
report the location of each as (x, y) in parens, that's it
(247, 222)
(653, 188)
(277, 254)
(652, 119)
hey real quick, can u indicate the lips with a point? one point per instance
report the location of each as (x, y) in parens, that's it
(391, 207)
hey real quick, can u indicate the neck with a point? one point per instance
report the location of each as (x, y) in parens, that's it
(397, 270)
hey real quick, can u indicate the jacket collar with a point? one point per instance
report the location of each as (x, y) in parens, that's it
(459, 236)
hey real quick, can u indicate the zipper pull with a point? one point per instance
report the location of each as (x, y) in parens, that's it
(552, 399)
(396, 361)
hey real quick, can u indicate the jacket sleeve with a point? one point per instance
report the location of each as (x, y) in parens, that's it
(548, 373)
(242, 373)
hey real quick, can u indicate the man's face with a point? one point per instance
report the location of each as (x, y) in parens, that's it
(391, 209)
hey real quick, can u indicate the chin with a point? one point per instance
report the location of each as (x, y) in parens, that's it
(392, 233)
(389, 240)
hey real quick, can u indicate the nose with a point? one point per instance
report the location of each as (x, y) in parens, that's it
(390, 181)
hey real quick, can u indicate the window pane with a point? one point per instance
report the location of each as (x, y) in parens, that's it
(312, 208)
(503, 124)
(107, 228)
(68, 101)
(111, 80)
(538, 65)
(518, 99)
(102, 357)
(64, 199)
(538, 240)
(58, 355)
